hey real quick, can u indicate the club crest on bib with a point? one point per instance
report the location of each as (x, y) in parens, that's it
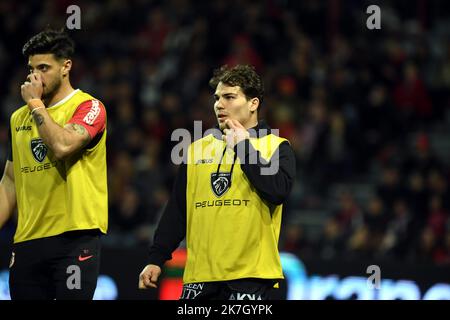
(38, 149)
(220, 182)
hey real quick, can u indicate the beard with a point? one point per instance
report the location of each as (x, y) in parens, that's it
(51, 89)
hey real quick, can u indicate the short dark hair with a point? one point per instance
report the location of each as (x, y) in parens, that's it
(57, 42)
(243, 76)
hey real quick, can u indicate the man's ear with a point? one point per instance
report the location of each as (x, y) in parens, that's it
(67, 66)
(254, 104)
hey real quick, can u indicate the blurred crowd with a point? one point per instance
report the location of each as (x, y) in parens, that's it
(356, 104)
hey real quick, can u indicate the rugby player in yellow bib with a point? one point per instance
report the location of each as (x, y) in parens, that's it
(56, 177)
(227, 200)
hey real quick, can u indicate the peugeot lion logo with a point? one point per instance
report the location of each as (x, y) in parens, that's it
(38, 149)
(220, 182)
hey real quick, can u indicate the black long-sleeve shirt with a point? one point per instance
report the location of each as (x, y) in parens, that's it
(273, 188)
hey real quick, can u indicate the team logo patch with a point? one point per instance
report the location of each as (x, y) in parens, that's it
(220, 182)
(38, 149)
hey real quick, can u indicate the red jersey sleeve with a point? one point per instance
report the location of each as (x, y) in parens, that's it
(91, 115)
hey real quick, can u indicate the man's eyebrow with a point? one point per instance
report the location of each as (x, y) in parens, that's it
(39, 65)
(225, 94)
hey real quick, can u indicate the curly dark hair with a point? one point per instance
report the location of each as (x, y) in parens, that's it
(57, 42)
(243, 76)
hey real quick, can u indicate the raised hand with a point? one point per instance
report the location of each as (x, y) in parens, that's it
(32, 88)
(234, 133)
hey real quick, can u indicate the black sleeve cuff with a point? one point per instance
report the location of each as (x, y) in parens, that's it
(157, 258)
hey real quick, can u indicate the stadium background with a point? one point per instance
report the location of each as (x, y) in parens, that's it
(367, 112)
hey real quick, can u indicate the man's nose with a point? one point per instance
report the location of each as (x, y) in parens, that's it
(35, 72)
(219, 104)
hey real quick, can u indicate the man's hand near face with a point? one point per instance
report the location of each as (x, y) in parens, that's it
(32, 88)
(234, 133)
